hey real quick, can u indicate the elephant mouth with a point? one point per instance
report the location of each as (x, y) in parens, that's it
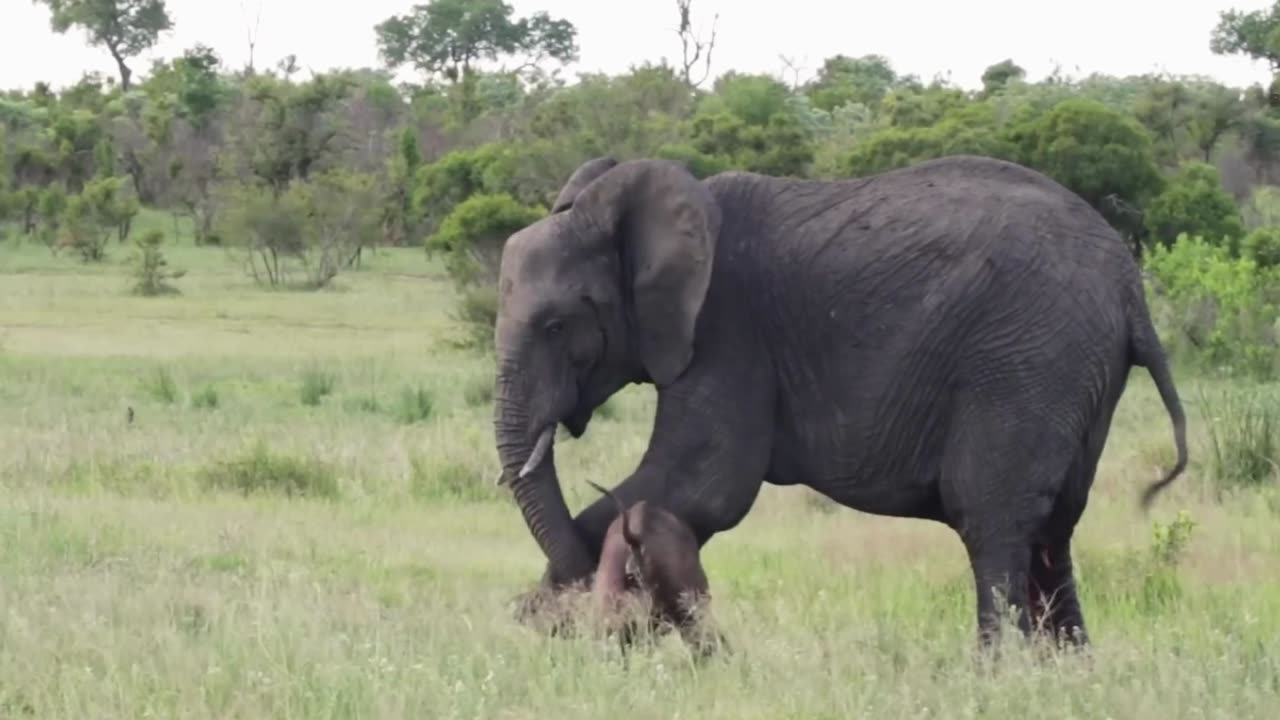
(576, 424)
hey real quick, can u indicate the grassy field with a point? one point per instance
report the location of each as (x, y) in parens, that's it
(137, 581)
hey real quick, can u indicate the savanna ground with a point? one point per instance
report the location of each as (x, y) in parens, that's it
(139, 579)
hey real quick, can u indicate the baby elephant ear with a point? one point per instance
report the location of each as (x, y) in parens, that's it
(582, 177)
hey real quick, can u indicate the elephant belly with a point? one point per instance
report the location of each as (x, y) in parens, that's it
(860, 468)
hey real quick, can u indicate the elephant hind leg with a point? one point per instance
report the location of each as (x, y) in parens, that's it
(1052, 568)
(1053, 579)
(1001, 478)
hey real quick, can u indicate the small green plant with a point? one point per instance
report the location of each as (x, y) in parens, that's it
(259, 470)
(1161, 585)
(316, 385)
(1169, 540)
(415, 405)
(150, 268)
(1144, 578)
(161, 386)
(206, 398)
(1244, 437)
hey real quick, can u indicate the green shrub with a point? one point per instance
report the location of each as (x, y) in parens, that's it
(1195, 203)
(1219, 305)
(1144, 579)
(150, 275)
(259, 470)
(1262, 246)
(439, 187)
(471, 239)
(314, 228)
(103, 210)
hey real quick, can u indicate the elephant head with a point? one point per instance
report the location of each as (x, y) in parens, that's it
(603, 292)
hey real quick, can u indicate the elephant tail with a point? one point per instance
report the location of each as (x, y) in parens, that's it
(632, 539)
(1146, 351)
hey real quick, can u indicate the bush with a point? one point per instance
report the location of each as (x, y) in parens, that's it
(1146, 579)
(1195, 203)
(150, 276)
(471, 239)
(100, 212)
(262, 471)
(1221, 305)
(1262, 208)
(458, 176)
(317, 227)
(1262, 246)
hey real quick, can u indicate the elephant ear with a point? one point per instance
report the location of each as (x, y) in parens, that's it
(586, 172)
(663, 224)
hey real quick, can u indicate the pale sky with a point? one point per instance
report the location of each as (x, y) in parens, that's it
(924, 37)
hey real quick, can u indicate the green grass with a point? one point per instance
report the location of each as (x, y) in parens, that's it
(239, 551)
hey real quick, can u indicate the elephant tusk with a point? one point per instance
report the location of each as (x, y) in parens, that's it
(539, 451)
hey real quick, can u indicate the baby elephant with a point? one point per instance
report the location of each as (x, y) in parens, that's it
(648, 546)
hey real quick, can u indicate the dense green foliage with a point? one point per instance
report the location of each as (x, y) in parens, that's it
(300, 176)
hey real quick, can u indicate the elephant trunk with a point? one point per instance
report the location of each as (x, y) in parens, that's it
(537, 490)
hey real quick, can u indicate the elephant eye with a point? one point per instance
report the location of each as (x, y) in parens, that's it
(554, 328)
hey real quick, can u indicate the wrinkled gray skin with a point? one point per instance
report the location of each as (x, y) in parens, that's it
(662, 553)
(946, 341)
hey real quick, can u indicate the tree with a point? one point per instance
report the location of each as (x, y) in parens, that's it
(450, 37)
(844, 80)
(123, 27)
(692, 47)
(1194, 202)
(998, 76)
(1255, 34)
(1100, 153)
(1218, 110)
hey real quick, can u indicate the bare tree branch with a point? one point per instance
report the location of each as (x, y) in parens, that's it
(793, 68)
(251, 34)
(692, 47)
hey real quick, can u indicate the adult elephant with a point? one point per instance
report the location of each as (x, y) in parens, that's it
(946, 341)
